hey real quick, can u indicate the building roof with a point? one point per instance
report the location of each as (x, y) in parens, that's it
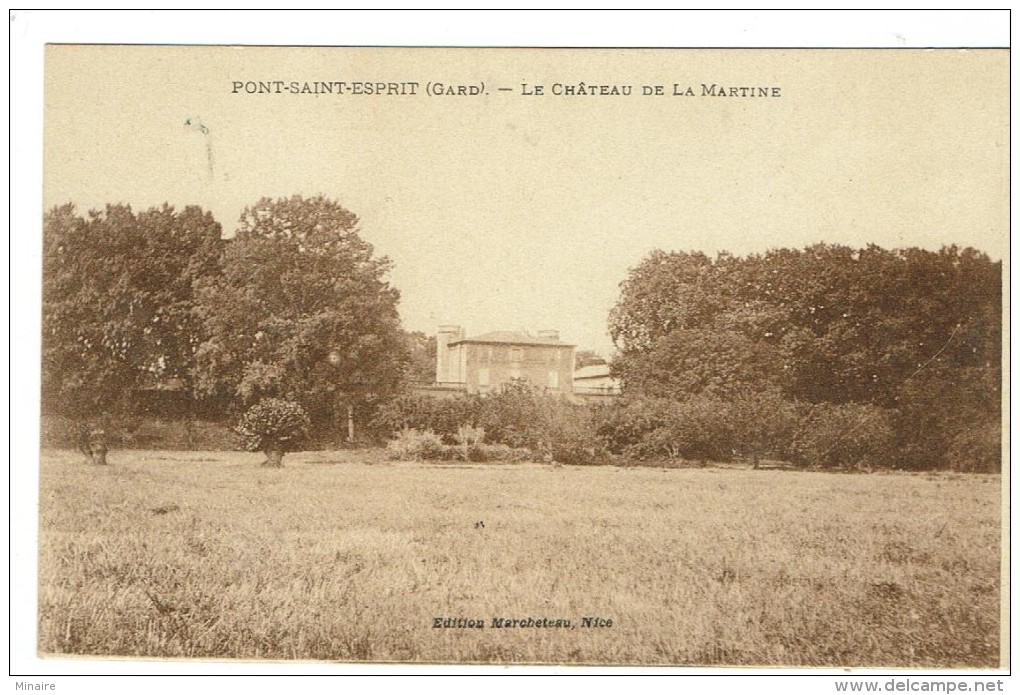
(512, 338)
(594, 371)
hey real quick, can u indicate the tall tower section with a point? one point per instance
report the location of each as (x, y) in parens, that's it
(448, 363)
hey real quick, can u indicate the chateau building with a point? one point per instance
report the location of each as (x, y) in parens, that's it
(483, 363)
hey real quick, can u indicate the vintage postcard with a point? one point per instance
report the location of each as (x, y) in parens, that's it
(639, 357)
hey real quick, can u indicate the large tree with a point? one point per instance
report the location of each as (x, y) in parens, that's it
(841, 324)
(302, 311)
(912, 331)
(117, 301)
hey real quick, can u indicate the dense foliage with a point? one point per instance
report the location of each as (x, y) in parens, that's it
(826, 356)
(517, 416)
(301, 311)
(154, 313)
(441, 416)
(118, 302)
(273, 426)
(421, 359)
(902, 345)
(426, 445)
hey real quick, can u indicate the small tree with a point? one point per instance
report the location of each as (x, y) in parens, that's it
(517, 415)
(273, 426)
(91, 440)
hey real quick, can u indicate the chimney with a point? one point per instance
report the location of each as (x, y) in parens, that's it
(445, 369)
(550, 334)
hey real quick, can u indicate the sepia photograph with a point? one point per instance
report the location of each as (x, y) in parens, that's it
(527, 356)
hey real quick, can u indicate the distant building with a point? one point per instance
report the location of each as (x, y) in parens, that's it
(483, 363)
(595, 383)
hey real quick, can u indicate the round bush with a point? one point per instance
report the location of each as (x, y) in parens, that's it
(274, 426)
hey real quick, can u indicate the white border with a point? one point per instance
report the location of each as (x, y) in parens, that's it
(31, 30)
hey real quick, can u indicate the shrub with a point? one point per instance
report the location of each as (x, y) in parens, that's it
(763, 423)
(522, 416)
(273, 426)
(470, 436)
(488, 453)
(697, 428)
(516, 415)
(949, 420)
(977, 450)
(442, 416)
(625, 426)
(502, 453)
(843, 436)
(416, 445)
(571, 436)
(701, 427)
(469, 443)
(704, 427)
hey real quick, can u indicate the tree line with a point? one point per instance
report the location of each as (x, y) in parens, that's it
(903, 346)
(295, 305)
(826, 355)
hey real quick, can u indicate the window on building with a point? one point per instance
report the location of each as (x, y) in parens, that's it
(554, 379)
(483, 376)
(516, 354)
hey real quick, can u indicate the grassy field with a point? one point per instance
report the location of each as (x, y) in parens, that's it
(343, 556)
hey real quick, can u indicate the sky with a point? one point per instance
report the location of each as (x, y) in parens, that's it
(512, 210)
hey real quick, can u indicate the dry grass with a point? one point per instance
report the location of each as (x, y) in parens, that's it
(346, 557)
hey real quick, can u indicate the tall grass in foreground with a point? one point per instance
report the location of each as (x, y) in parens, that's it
(209, 555)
